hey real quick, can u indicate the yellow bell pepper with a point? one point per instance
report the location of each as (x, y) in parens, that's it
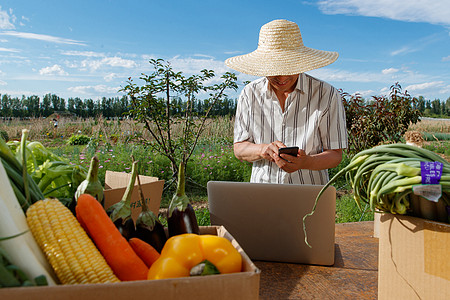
(183, 252)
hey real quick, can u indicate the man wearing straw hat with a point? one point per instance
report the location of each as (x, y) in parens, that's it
(287, 107)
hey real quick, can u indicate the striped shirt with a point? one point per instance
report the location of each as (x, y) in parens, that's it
(313, 120)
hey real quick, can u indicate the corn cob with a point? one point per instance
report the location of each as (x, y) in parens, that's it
(68, 248)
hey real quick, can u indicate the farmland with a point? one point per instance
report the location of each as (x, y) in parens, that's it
(112, 141)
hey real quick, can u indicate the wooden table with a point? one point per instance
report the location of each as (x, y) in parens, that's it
(354, 274)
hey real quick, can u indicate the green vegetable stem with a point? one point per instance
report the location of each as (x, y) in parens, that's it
(120, 213)
(91, 185)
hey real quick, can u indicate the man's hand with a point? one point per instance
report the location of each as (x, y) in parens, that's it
(290, 163)
(270, 151)
(324, 160)
(252, 152)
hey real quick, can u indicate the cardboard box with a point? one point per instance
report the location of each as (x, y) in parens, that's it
(115, 186)
(242, 285)
(376, 223)
(413, 258)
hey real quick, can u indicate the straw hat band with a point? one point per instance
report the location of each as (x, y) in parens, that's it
(281, 52)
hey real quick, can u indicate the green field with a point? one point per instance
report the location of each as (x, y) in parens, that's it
(113, 142)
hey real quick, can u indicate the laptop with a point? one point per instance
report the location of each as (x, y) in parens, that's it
(267, 220)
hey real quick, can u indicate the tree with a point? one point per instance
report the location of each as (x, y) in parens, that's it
(16, 107)
(6, 106)
(154, 102)
(71, 105)
(436, 107)
(421, 104)
(33, 106)
(381, 120)
(89, 104)
(79, 107)
(45, 107)
(447, 105)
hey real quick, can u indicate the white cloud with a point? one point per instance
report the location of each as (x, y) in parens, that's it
(42, 37)
(6, 19)
(403, 50)
(3, 82)
(110, 77)
(94, 89)
(204, 56)
(147, 57)
(53, 70)
(193, 65)
(445, 90)
(119, 62)
(9, 50)
(430, 89)
(83, 53)
(108, 61)
(429, 11)
(446, 58)
(233, 52)
(342, 75)
(424, 86)
(365, 94)
(389, 71)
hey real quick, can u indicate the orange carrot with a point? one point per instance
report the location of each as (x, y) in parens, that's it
(144, 250)
(122, 259)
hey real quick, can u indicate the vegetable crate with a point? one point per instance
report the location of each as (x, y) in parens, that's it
(413, 258)
(242, 285)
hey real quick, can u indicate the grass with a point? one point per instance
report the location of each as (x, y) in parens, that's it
(346, 212)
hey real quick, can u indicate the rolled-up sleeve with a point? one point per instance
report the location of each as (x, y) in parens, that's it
(242, 129)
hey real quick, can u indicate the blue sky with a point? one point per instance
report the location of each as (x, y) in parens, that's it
(88, 49)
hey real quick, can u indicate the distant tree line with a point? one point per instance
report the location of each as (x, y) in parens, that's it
(434, 108)
(35, 107)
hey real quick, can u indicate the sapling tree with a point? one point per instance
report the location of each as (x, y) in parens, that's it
(175, 126)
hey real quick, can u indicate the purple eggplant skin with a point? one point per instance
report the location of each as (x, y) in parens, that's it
(156, 237)
(182, 222)
(126, 228)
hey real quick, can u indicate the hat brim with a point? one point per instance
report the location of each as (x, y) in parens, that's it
(275, 63)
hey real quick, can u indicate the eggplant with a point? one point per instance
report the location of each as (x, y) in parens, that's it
(148, 227)
(183, 221)
(126, 228)
(180, 215)
(154, 235)
(120, 213)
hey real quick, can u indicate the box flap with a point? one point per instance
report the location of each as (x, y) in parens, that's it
(120, 179)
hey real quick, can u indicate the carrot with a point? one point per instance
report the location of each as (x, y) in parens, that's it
(144, 250)
(122, 259)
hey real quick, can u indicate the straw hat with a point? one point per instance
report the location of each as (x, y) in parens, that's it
(281, 52)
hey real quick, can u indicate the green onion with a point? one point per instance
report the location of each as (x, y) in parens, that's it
(383, 177)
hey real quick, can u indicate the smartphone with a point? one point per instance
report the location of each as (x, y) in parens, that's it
(288, 150)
